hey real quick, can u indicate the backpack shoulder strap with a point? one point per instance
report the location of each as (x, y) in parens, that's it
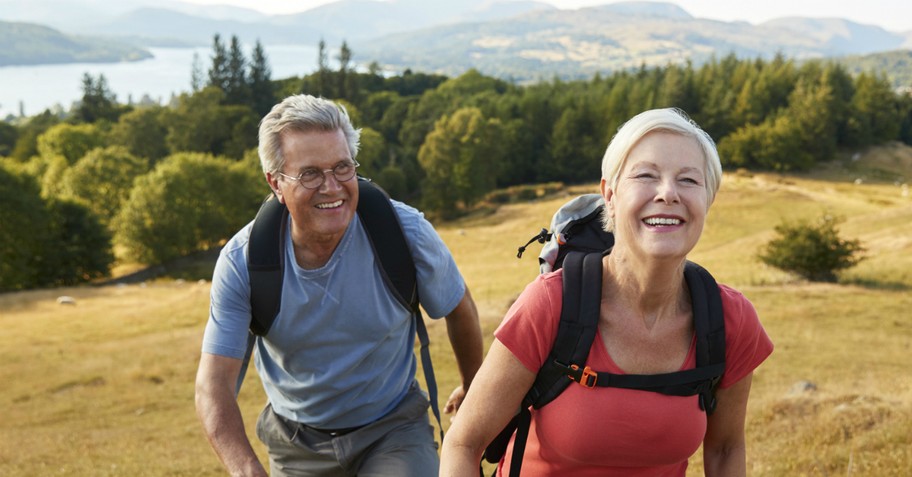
(388, 241)
(581, 303)
(265, 264)
(709, 330)
(709, 327)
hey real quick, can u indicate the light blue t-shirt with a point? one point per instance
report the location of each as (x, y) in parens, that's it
(340, 352)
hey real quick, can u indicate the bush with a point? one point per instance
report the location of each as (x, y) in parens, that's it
(79, 245)
(188, 203)
(813, 251)
(47, 243)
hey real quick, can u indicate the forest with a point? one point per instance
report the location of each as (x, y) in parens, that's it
(107, 182)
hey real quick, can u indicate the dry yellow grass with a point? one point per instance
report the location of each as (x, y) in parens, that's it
(105, 386)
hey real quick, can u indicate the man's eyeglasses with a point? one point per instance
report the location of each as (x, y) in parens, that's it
(313, 178)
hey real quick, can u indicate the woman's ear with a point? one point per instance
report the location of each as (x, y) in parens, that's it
(608, 195)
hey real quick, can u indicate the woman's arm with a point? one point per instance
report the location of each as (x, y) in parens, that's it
(493, 399)
(724, 444)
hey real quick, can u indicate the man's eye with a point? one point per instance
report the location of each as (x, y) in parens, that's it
(309, 174)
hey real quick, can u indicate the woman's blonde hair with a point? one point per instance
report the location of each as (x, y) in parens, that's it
(671, 120)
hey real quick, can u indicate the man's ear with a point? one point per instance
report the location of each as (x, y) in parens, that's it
(273, 182)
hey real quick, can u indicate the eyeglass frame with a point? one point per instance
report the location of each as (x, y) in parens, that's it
(354, 165)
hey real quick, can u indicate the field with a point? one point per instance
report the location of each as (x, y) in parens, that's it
(105, 386)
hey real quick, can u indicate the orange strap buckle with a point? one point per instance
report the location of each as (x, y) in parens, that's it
(587, 377)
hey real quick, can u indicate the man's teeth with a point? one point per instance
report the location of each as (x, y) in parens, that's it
(662, 221)
(330, 205)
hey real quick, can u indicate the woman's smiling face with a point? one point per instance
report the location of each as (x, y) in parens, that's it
(660, 202)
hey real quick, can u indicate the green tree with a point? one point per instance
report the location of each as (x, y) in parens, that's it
(460, 158)
(8, 136)
(262, 92)
(24, 225)
(200, 123)
(813, 251)
(102, 180)
(323, 73)
(373, 154)
(27, 142)
(218, 70)
(196, 73)
(142, 132)
(237, 88)
(576, 145)
(189, 202)
(98, 101)
(874, 116)
(80, 246)
(345, 89)
(71, 141)
(812, 108)
(393, 181)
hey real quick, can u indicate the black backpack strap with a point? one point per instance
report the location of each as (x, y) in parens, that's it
(581, 305)
(709, 327)
(578, 327)
(265, 254)
(388, 241)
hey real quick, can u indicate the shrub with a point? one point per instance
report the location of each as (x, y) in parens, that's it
(189, 202)
(813, 251)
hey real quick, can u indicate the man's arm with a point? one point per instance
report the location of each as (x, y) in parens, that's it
(217, 408)
(464, 332)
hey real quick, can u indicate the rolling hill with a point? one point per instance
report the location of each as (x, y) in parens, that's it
(29, 44)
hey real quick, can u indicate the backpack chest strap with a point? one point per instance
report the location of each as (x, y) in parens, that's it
(687, 382)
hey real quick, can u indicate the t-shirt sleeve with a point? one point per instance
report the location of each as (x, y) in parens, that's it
(440, 285)
(746, 342)
(530, 326)
(229, 304)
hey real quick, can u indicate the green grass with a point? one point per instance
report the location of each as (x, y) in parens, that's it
(105, 387)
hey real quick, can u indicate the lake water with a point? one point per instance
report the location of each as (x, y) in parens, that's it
(43, 86)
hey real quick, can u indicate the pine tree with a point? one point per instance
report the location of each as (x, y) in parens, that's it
(343, 81)
(196, 74)
(218, 71)
(262, 95)
(322, 71)
(98, 101)
(236, 91)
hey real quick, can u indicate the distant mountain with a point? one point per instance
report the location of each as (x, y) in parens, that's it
(28, 44)
(159, 26)
(580, 43)
(897, 65)
(520, 39)
(837, 36)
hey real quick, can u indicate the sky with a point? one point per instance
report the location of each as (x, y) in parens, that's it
(892, 15)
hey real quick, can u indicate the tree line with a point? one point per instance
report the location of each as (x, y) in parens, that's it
(155, 182)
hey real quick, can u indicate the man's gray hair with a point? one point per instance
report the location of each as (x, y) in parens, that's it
(302, 113)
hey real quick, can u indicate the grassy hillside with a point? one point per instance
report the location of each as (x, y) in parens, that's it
(105, 386)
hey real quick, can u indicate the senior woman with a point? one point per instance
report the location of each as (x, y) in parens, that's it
(660, 175)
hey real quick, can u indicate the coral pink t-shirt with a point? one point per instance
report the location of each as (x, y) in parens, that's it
(612, 431)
